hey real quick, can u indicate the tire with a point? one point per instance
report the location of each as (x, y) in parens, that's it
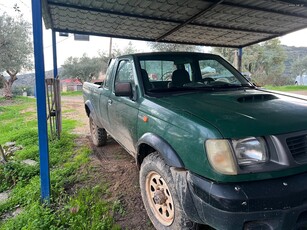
(159, 195)
(99, 135)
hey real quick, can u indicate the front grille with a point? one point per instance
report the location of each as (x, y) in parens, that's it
(298, 148)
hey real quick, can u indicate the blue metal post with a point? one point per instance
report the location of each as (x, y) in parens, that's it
(41, 99)
(55, 64)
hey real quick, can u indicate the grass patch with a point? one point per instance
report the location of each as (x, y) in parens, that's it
(287, 88)
(15, 172)
(84, 210)
(17, 100)
(72, 93)
(81, 209)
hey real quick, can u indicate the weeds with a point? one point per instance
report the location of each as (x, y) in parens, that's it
(80, 209)
(72, 93)
(14, 172)
(88, 211)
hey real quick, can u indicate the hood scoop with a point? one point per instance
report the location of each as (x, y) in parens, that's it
(256, 98)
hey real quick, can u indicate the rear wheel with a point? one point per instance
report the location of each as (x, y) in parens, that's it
(99, 135)
(159, 195)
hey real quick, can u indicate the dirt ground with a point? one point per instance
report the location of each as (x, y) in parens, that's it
(113, 165)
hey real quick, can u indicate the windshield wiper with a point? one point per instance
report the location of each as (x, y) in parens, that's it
(249, 86)
(232, 86)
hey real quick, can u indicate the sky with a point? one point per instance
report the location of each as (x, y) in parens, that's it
(67, 46)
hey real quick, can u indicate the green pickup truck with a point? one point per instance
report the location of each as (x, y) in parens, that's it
(212, 148)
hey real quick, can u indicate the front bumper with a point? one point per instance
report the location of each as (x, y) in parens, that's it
(268, 204)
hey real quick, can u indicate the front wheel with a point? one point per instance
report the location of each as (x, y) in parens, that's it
(159, 195)
(99, 135)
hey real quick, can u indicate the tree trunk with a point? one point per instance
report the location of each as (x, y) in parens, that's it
(8, 94)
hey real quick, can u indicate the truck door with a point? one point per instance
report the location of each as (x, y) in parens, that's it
(104, 94)
(123, 111)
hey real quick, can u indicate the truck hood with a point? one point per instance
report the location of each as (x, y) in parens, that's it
(243, 113)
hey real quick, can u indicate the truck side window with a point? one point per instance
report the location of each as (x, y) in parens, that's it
(124, 72)
(108, 74)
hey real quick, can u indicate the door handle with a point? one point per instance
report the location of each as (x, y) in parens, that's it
(110, 102)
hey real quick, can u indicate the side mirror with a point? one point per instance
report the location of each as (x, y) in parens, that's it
(123, 89)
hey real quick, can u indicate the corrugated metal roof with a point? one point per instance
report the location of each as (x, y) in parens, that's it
(236, 23)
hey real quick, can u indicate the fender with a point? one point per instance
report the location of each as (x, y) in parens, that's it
(169, 155)
(90, 111)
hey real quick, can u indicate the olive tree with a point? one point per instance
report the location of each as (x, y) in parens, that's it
(129, 49)
(160, 46)
(226, 53)
(15, 49)
(1, 82)
(84, 68)
(265, 61)
(299, 67)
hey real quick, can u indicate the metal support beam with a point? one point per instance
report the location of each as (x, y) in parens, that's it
(138, 38)
(55, 63)
(41, 99)
(240, 53)
(110, 48)
(199, 14)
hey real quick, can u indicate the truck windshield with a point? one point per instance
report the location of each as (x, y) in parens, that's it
(164, 72)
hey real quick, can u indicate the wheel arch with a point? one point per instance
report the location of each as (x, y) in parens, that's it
(149, 143)
(88, 107)
(90, 112)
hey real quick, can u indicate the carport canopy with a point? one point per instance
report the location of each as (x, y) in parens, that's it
(228, 23)
(225, 23)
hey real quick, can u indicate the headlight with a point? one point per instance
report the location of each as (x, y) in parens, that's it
(220, 156)
(250, 150)
(224, 155)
